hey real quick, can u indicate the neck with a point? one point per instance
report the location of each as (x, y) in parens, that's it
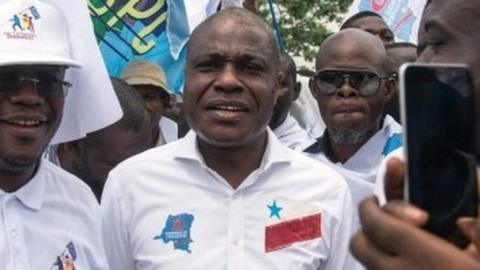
(342, 152)
(11, 181)
(234, 163)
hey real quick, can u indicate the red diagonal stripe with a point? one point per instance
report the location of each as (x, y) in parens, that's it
(286, 233)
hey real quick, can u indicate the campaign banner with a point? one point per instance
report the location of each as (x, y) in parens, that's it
(155, 30)
(403, 16)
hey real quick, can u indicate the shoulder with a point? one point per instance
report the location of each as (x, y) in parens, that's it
(156, 156)
(321, 172)
(67, 184)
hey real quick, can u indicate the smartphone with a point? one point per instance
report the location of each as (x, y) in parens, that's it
(438, 116)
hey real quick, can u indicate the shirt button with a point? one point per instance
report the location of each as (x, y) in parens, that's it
(13, 234)
(236, 242)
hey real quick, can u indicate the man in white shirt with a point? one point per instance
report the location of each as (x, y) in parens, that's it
(49, 219)
(229, 195)
(284, 126)
(351, 89)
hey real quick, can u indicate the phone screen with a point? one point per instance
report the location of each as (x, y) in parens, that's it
(439, 118)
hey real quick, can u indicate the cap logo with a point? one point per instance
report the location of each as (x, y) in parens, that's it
(22, 25)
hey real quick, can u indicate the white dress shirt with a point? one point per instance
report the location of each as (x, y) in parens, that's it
(292, 135)
(361, 169)
(165, 209)
(54, 219)
(168, 130)
(379, 189)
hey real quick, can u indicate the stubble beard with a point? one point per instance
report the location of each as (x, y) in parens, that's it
(348, 135)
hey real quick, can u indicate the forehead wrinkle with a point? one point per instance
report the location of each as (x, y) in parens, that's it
(470, 5)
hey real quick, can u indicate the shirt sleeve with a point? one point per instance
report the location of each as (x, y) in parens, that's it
(114, 227)
(340, 257)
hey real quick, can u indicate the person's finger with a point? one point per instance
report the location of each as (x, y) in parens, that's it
(381, 228)
(394, 179)
(368, 254)
(470, 227)
(407, 212)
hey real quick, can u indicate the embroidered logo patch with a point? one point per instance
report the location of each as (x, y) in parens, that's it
(22, 24)
(274, 209)
(286, 233)
(66, 261)
(177, 230)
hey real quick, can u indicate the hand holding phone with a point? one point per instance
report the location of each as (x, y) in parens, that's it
(437, 103)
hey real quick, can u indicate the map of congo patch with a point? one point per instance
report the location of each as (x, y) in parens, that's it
(177, 230)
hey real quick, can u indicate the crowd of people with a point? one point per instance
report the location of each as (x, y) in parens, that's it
(229, 178)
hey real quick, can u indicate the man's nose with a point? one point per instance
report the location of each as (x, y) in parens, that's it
(347, 89)
(227, 79)
(26, 94)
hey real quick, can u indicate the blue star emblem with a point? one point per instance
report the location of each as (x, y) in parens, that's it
(274, 210)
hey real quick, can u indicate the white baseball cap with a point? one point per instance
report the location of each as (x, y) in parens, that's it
(33, 33)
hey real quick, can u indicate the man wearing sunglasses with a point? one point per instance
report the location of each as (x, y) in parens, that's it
(49, 219)
(351, 87)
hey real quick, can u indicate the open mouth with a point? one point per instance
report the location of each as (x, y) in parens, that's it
(25, 121)
(229, 108)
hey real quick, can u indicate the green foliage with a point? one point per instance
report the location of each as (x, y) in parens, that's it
(303, 22)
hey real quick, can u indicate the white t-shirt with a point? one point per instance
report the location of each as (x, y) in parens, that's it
(54, 219)
(292, 135)
(165, 209)
(361, 169)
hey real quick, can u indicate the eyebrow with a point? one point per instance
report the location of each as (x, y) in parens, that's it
(220, 56)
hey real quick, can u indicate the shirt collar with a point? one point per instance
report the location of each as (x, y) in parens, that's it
(275, 151)
(322, 144)
(32, 194)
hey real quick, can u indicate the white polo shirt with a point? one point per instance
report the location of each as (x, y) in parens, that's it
(52, 220)
(165, 209)
(361, 169)
(291, 134)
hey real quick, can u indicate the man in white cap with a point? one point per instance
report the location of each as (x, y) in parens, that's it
(150, 81)
(49, 218)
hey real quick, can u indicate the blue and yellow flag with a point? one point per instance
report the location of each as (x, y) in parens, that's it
(154, 30)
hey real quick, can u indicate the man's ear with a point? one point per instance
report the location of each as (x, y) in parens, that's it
(296, 90)
(313, 90)
(390, 88)
(281, 85)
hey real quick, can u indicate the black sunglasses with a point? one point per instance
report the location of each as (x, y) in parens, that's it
(366, 83)
(47, 85)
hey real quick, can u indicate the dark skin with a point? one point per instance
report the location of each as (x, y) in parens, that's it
(376, 26)
(287, 94)
(230, 92)
(352, 49)
(396, 57)
(28, 121)
(450, 31)
(157, 101)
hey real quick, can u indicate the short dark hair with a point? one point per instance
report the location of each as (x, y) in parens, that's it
(287, 65)
(245, 18)
(131, 102)
(400, 45)
(362, 14)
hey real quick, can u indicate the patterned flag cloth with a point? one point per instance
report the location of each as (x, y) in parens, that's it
(152, 30)
(403, 16)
